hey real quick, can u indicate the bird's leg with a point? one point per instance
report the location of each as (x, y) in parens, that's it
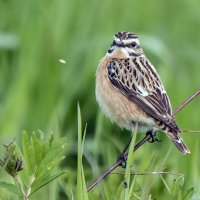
(122, 154)
(152, 133)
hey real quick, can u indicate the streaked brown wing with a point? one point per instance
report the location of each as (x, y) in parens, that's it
(143, 87)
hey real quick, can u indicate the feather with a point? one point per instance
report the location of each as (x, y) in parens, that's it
(149, 96)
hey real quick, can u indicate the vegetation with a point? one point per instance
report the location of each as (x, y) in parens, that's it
(37, 91)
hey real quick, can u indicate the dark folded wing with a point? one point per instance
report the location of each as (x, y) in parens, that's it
(141, 84)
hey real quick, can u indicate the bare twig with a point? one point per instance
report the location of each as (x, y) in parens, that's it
(139, 144)
(149, 173)
(190, 131)
(187, 101)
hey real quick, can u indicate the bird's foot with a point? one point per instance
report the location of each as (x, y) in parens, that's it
(123, 159)
(153, 138)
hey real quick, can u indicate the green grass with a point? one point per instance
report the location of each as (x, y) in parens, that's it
(39, 92)
(81, 191)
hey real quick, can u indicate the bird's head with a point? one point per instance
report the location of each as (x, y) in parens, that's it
(126, 42)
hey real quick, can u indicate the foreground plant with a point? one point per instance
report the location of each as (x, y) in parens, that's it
(33, 167)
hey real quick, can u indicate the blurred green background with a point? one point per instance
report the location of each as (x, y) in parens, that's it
(39, 92)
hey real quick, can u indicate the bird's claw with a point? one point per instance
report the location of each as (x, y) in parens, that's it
(153, 137)
(123, 159)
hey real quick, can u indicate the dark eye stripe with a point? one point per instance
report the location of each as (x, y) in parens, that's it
(114, 43)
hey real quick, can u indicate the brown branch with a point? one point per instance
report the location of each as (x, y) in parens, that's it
(139, 144)
(188, 100)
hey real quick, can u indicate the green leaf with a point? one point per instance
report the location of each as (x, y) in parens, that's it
(40, 157)
(85, 194)
(47, 165)
(45, 180)
(10, 187)
(81, 185)
(37, 147)
(127, 191)
(51, 158)
(28, 153)
(189, 193)
(165, 183)
(79, 167)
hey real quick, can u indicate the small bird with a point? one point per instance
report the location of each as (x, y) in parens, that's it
(130, 91)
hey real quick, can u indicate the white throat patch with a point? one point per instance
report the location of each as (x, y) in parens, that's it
(117, 49)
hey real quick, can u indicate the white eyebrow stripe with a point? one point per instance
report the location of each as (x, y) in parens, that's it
(130, 40)
(127, 41)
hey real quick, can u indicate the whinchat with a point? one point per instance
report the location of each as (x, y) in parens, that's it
(129, 90)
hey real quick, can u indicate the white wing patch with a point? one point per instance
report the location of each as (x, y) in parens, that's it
(141, 90)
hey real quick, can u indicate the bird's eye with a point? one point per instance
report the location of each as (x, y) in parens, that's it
(133, 44)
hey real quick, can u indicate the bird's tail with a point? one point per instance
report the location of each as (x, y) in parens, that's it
(177, 140)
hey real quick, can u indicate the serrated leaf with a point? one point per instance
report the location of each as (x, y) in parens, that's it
(28, 152)
(10, 187)
(38, 148)
(44, 181)
(48, 166)
(40, 156)
(50, 159)
(189, 193)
